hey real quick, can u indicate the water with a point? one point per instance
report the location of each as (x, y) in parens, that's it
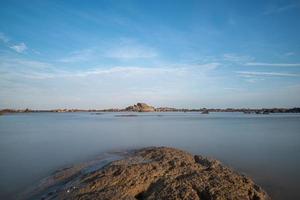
(265, 147)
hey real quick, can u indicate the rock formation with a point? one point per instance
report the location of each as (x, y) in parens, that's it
(140, 107)
(159, 173)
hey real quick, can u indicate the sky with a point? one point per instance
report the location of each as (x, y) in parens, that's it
(191, 54)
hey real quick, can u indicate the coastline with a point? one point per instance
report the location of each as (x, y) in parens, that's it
(142, 107)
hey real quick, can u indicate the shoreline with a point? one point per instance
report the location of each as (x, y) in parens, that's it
(143, 107)
(203, 111)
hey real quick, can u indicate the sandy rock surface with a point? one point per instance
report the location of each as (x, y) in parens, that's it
(158, 173)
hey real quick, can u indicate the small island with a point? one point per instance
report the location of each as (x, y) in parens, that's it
(140, 107)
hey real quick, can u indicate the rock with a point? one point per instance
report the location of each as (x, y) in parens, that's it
(140, 107)
(162, 173)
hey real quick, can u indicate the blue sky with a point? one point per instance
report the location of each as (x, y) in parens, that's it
(101, 54)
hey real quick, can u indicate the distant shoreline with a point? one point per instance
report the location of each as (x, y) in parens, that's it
(162, 109)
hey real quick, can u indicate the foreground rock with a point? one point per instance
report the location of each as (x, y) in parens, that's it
(160, 173)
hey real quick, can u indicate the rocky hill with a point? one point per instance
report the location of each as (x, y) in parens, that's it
(140, 107)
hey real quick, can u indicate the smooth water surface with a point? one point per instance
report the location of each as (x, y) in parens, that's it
(265, 147)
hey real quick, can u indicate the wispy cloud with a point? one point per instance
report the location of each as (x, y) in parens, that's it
(122, 49)
(40, 70)
(289, 53)
(231, 57)
(131, 52)
(78, 56)
(206, 66)
(233, 89)
(254, 80)
(170, 82)
(132, 71)
(249, 74)
(20, 48)
(120, 71)
(16, 69)
(11, 63)
(273, 64)
(280, 9)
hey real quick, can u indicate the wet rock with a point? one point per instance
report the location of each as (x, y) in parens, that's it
(163, 173)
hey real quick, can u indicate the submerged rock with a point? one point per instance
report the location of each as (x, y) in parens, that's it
(161, 173)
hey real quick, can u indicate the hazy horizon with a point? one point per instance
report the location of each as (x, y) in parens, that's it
(183, 54)
(155, 106)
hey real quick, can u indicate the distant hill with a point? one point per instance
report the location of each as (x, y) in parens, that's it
(140, 107)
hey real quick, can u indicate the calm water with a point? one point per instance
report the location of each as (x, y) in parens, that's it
(266, 147)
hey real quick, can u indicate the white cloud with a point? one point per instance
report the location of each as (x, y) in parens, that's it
(134, 71)
(31, 69)
(129, 83)
(16, 69)
(273, 64)
(40, 84)
(173, 69)
(249, 74)
(20, 48)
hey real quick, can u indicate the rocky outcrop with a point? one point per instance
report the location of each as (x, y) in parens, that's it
(140, 107)
(160, 173)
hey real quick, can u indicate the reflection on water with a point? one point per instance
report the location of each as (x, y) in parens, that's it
(266, 147)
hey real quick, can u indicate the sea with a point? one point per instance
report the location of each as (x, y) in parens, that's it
(264, 147)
